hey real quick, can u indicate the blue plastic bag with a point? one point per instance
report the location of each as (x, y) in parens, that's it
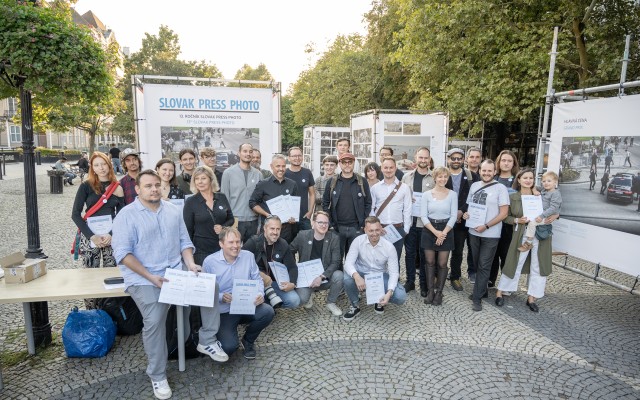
(88, 333)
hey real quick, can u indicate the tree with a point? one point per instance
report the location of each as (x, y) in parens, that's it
(345, 80)
(291, 132)
(248, 73)
(158, 55)
(56, 60)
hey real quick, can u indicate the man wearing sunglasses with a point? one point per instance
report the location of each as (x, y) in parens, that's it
(460, 181)
(347, 199)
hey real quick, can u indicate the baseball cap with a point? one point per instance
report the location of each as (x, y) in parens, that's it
(454, 151)
(128, 152)
(345, 156)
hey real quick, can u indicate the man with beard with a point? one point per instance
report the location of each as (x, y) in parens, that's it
(237, 184)
(305, 182)
(272, 187)
(132, 165)
(256, 162)
(490, 203)
(459, 181)
(474, 156)
(419, 181)
(208, 158)
(187, 159)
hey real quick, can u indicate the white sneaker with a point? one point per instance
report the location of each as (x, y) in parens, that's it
(309, 304)
(214, 351)
(335, 310)
(161, 389)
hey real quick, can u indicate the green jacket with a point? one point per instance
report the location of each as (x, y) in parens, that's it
(544, 247)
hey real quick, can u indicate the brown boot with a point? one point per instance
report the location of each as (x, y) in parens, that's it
(442, 279)
(431, 277)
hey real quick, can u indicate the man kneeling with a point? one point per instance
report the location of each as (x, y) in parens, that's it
(371, 254)
(228, 264)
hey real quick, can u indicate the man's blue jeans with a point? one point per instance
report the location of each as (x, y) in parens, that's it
(399, 295)
(228, 332)
(290, 299)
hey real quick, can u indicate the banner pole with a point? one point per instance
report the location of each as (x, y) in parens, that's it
(542, 136)
(625, 61)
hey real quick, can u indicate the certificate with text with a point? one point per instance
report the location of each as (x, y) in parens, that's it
(243, 296)
(185, 288)
(375, 287)
(279, 206)
(308, 271)
(531, 206)
(99, 225)
(280, 271)
(417, 204)
(477, 215)
(392, 234)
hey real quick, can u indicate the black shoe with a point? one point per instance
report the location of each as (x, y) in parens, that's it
(477, 307)
(409, 286)
(455, 283)
(378, 308)
(500, 301)
(351, 314)
(532, 306)
(249, 352)
(424, 292)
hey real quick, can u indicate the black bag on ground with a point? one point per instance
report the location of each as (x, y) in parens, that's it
(191, 341)
(124, 312)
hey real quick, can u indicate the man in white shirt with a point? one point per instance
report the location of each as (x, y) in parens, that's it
(369, 254)
(391, 202)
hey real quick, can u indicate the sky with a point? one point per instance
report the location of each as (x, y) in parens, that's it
(230, 34)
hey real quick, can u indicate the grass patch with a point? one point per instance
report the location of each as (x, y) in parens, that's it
(17, 338)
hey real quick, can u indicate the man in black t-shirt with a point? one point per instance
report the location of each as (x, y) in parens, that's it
(304, 179)
(115, 159)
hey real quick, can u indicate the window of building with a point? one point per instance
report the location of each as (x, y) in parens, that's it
(15, 134)
(13, 106)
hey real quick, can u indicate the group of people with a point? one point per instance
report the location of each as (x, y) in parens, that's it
(221, 223)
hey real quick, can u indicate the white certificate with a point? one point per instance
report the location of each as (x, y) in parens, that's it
(375, 287)
(415, 209)
(477, 215)
(308, 271)
(279, 206)
(392, 234)
(186, 288)
(294, 207)
(531, 206)
(243, 297)
(280, 271)
(201, 289)
(100, 225)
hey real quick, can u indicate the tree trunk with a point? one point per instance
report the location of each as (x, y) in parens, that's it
(92, 141)
(577, 27)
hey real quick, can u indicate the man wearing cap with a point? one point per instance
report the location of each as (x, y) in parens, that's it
(347, 199)
(132, 165)
(68, 175)
(391, 202)
(460, 181)
(419, 181)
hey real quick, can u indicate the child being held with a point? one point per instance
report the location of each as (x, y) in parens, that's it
(551, 203)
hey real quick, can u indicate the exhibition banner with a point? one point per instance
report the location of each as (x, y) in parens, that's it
(179, 116)
(595, 148)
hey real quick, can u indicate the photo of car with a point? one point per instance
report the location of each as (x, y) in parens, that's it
(619, 189)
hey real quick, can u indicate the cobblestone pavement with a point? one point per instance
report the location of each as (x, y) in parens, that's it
(584, 343)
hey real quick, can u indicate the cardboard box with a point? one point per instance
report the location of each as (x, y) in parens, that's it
(17, 269)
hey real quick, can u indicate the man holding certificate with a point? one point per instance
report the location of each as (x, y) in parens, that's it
(276, 187)
(241, 295)
(488, 205)
(276, 264)
(150, 237)
(319, 262)
(369, 255)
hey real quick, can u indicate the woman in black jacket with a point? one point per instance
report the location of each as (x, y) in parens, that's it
(206, 213)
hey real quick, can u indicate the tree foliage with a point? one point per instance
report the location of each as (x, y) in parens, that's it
(291, 132)
(345, 80)
(58, 61)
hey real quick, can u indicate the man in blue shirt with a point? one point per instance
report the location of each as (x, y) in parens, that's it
(230, 263)
(149, 236)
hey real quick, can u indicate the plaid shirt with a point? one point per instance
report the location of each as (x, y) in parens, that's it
(129, 186)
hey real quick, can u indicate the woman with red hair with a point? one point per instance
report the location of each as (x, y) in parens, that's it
(101, 187)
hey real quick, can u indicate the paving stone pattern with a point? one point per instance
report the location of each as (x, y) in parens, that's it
(584, 343)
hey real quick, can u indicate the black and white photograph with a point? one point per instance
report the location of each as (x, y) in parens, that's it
(600, 181)
(411, 128)
(392, 128)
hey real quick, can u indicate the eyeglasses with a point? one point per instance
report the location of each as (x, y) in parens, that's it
(295, 156)
(348, 162)
(456, 158)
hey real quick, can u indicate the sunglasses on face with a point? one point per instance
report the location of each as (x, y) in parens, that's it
(456, 159)
(347, 162)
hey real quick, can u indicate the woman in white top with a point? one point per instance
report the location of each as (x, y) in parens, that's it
(439, 210)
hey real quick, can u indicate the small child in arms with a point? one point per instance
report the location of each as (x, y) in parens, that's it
(551, 203)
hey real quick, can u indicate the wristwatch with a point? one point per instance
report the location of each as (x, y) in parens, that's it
(486, 226)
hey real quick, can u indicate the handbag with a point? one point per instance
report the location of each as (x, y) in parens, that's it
(544, 232)
(75, 247)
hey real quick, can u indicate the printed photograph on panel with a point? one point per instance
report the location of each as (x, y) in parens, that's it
(225, 141)
(411, 128)
(392, 128)
(600, 181)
